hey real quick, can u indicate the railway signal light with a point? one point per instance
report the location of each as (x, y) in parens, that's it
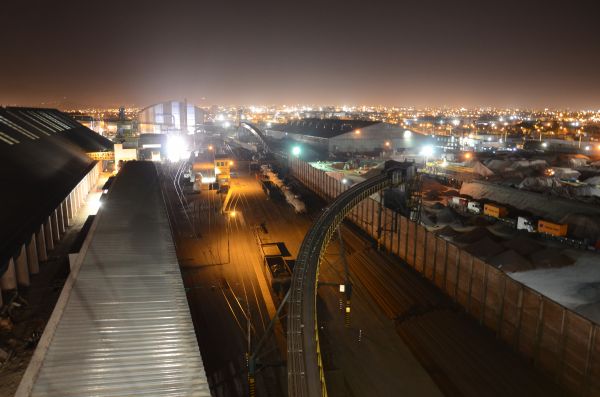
(347, 315)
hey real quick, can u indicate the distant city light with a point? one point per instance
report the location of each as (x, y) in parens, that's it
(230, 163)
(357, 132)
(545, 144)
(407, 133)
(227, 124)
(456, 122)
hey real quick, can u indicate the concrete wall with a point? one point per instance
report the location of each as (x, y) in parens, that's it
(558, 341)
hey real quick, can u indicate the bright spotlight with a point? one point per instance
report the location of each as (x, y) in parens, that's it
(407, 133)
(427, 151)
(227, 124)
(232, 214)
(296, 151)
(357, 132)
(387, 143)
(344, 181)
(544, 144)
(230, 163)
(94, 205)
(176, 148)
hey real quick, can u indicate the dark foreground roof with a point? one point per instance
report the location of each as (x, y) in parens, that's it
(322, 128)
(42, 158)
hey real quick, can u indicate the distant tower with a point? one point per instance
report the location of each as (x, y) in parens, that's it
(122, 113)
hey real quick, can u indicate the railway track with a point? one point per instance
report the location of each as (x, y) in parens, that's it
(461, 356)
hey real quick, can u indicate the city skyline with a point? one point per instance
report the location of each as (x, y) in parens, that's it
(532, 55)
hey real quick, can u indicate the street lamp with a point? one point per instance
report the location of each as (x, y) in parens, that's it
(296, 151)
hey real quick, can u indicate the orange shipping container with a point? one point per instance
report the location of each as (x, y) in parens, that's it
(554, 229)
(495, 210)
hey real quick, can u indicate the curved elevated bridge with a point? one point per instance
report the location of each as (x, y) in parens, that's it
(257, 132)
(305, 367)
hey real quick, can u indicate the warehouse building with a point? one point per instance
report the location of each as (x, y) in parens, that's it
(170, 117)
(49, 164)
(353, 136)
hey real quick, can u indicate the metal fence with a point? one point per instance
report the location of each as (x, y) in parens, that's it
(560, 342)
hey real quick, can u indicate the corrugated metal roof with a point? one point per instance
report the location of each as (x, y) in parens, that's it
(126, 329)
(322, 128)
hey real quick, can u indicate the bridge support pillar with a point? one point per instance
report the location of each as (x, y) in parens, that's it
(32, 256)
(70, 207)
(65, 213)
(48, 234)
(22, 268)
(41, 244)
(60, 220)
(8, 282)
(54, 224)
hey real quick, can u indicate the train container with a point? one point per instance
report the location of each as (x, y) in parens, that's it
(495, 211)
(553, 229)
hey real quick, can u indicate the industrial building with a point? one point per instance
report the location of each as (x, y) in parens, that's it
(49, 164)
(170, 117)
(353, 136)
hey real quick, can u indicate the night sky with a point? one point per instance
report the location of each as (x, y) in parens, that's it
(404, 53)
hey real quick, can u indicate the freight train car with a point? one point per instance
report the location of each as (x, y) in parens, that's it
(553, 229)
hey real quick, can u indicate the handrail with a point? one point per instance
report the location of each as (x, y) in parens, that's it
(305, 366)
